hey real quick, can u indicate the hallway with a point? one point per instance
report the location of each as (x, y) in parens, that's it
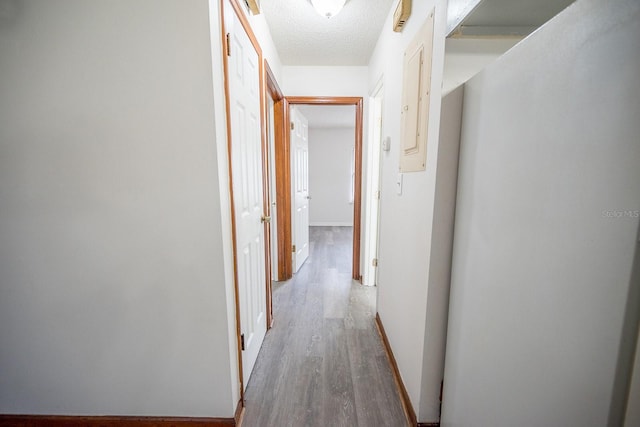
(323, 363)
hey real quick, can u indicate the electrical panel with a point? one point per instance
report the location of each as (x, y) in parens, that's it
(416, 91)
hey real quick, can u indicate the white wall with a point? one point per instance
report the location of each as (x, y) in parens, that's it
(330, 154)
(111, 267)
(465, 57)
(441, 248)
(407, 219)
(324, 81)
(224, 183)
(542, 263)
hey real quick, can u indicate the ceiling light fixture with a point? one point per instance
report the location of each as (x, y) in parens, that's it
(328, 8)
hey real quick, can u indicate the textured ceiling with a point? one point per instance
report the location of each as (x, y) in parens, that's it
(302, 37)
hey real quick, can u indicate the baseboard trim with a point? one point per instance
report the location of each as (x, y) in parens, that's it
(7, 420)
(428, 424)
(404, 395)
(109, 421)
(239, 415)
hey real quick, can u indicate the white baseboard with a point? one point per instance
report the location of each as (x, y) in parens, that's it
(330, 224)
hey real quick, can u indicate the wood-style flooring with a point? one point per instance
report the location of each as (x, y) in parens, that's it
(323, 363)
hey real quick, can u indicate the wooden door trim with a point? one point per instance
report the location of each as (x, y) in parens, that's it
(272, 84)
(241, 14)
(324, 100)
(282, 175)
(272, 90)
(237, 9)
(283, 169)
(283, 192)
(32, 420)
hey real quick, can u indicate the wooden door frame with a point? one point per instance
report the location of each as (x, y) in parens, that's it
(237, 9)
(283, 190)
(283, 181)
(272, 90)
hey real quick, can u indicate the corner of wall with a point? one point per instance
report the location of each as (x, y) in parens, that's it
(225, 202)
(441, 256)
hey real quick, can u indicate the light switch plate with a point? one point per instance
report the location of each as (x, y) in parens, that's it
(386, 144)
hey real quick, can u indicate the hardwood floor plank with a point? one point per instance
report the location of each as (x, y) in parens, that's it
(310, 397)
(336, 294)
(323, 363)
(363, 373)
(361, 307)
(338, 396)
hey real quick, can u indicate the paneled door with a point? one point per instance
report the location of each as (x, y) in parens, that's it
(299, 187)
(246, 166)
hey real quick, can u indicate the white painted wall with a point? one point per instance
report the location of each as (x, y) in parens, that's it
(112, 270)
(441, 258)
(330, 154)
(465, 57)
(407, 219)
(324, 81)
(224, 183)
(542, 263)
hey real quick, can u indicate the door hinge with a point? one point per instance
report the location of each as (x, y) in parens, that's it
(374, 262)
(294, 249)
(293, 126)
(242, 341)
(228, 44)
(378, 194)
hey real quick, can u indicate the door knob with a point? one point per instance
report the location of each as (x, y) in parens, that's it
(308, 197)
(265, 218)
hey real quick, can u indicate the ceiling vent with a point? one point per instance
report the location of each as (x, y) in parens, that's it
(253, 6)
(401, 15)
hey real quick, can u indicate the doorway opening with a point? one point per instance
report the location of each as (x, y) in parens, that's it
(285, 195)
(323, 170)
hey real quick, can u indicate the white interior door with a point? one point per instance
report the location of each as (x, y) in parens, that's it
(272, 187)
(246, 162)
(299, 187)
